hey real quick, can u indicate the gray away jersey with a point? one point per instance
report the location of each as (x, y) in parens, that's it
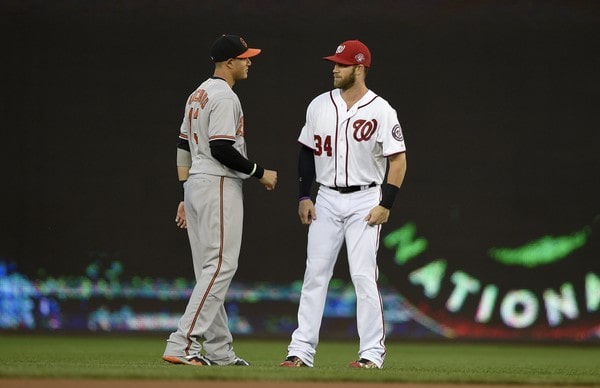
(213, 112)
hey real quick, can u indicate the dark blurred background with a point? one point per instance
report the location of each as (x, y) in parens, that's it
(498, 102)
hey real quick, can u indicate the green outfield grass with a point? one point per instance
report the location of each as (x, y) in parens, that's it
(136, 357)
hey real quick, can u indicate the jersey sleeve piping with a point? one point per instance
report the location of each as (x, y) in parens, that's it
(221, 137)
(395, 153)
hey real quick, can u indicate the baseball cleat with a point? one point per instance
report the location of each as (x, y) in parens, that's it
(196, 360)
(239, 362)
(236, 362)
(293, 362)
(363, 363)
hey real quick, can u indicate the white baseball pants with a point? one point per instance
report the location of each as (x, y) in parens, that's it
(341, 217)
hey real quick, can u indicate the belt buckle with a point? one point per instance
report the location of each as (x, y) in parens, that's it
(349, 189)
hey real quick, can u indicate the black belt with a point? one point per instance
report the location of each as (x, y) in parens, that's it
(352, 189)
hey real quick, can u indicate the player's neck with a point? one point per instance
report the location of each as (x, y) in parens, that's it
(352, 95)
(225, 76)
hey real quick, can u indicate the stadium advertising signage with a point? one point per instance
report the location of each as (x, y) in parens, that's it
(547, 288)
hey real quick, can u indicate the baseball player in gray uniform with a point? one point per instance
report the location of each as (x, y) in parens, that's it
(212, 161)
(350, 136)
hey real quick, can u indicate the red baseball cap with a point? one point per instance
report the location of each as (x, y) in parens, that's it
(351, 52)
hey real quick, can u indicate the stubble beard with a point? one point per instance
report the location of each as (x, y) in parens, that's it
(345, 83)
(241, 75)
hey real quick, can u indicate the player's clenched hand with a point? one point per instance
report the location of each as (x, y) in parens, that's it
(306, 211)
(269, 179)
(180, 217)
(377, 216)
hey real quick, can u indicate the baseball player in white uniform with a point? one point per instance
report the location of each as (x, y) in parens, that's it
(212, 161)
(350, 136)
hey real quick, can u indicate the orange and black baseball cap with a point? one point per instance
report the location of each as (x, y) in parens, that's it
(231, 46)
(351, 52)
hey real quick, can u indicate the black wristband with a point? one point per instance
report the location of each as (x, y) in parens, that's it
(182, 189)
(389, 195)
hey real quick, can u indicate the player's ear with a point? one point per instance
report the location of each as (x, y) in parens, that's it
(362, 69)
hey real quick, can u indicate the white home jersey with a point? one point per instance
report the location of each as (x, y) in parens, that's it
(213, 112)
(344, 140)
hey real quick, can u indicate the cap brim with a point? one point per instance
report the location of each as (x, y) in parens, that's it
(336, 59)
(251, 52)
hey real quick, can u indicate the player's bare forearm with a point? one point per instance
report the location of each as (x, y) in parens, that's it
(397, 169)
(269, 179)
(183, 172)
(184, 162)
(306, 211)
(380, 214)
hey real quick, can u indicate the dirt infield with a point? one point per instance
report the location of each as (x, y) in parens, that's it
(78, 383)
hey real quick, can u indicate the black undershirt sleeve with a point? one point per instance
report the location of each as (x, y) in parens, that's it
(183, 144)
(223, 151)
(306, 171)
